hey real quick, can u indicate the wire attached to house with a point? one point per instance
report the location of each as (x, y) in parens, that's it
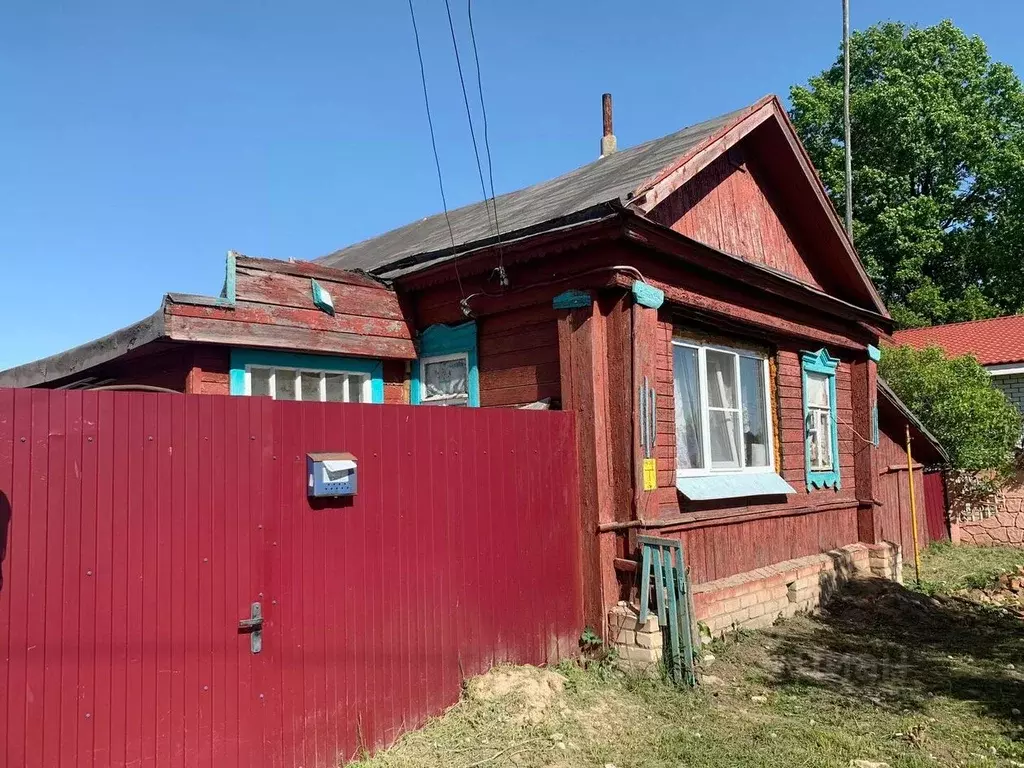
(472, 132)
(467, 310)
(503, 278)
(433, 144)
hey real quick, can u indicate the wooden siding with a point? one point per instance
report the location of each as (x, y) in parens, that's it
(729, 206)
(518, 356)
(517, 335)
(211, 371)
(789, 429)
(807, 522)
(274, 309)
(894, 518)
(395, 377)
(716, 551)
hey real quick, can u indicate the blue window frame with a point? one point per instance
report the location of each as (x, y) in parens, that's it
(323, 372)
(446, 372)
(821, 432)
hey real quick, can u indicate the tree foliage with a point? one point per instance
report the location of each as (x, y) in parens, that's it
(954, 398)
(938, 168)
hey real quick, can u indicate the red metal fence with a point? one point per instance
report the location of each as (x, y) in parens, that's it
(140, 528)
(935, 506)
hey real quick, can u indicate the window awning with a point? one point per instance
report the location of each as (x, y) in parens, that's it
(732, 486)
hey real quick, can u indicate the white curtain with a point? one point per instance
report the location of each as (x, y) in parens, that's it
(689, 450)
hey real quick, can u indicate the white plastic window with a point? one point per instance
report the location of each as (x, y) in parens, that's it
(722, 410)
(308, 385)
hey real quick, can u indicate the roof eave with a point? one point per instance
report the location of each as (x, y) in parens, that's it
(89, 355)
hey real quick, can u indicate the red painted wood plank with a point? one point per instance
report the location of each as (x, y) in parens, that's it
(348, 321)
(215, 331)
(260, 287)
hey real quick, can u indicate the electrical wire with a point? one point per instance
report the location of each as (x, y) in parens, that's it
(433, 144)
(472, 129)
(487, 141)
(466, 310)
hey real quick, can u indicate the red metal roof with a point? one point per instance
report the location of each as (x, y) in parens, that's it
(995, 341)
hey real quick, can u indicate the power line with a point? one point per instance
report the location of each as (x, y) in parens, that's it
(472, 132)
(487, 141)
(433, 144)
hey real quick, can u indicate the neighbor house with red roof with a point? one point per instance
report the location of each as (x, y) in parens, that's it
(998, 344)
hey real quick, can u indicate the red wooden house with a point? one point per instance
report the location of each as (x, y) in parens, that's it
(694, 299)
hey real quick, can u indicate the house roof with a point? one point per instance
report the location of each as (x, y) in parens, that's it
(582, 193)
(268, 304)
(633, 180)
(992, 342)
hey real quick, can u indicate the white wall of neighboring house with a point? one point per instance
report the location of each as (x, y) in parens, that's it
(1012, 383)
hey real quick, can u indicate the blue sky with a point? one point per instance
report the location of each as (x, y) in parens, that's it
(141, 140)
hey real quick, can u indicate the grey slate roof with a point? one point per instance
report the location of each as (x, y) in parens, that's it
(609, 179)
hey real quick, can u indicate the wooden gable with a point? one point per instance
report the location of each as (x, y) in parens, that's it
(730, 206)
(270, 305)
(751, 191)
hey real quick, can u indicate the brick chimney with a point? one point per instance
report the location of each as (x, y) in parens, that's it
(607, 138)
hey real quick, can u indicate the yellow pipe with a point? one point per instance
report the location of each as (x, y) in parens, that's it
(913, 510)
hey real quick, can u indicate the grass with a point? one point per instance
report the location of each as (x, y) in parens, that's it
(885, 674)
(945, 568)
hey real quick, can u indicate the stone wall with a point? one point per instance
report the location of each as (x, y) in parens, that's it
(755, 599)
(1001, 530)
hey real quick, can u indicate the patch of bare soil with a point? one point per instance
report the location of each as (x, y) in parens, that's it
(532, 691)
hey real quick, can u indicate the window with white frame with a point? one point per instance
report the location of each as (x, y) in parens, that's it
(722, 409)
(444, 379)
(819, 421)
(306, 384)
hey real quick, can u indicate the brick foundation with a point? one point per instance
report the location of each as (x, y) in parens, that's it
(755, 599)
(637, 643)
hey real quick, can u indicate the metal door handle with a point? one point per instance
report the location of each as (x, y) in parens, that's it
(254, 626)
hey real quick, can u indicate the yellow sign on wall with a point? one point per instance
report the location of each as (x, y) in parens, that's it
(650, 474)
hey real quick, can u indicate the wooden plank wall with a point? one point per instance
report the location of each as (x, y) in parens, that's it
(805, 523)
(517, 340)
(729, 206)
(518, 356)
(274, 308)
(894, 487)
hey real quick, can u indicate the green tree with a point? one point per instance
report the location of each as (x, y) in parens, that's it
(976, 423)
(938, 168)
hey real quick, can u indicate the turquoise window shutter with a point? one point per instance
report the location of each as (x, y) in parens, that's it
(440, 340)
(822, 363)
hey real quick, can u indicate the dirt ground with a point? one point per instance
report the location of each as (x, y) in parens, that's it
(885, 675)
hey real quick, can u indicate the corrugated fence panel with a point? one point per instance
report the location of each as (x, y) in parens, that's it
(136, 530)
